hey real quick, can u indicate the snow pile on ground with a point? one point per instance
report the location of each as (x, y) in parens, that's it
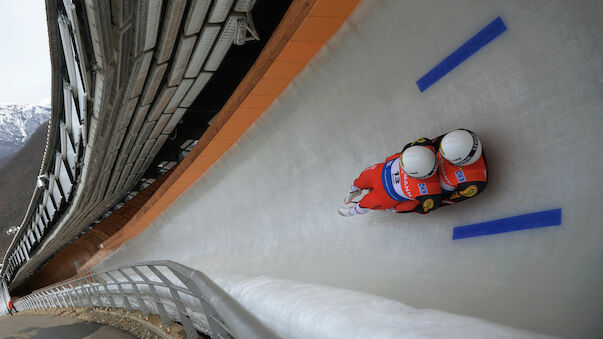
(301, 310)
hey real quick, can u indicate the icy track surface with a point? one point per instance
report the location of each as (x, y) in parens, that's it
(535, 97)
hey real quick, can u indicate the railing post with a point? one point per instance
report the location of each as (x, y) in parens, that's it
(158, 304)
(50, 295)
(85, 292)
(62, 295)
(109, 294)
(49, 298)
(184, 317)
(41, 300)
(76, 294)
(121, 292)
(215, 323)
(46, 302)
(55, 298)
(86, 288)
(141, 303)
(242, 323)
(69, 293)
(94, 286)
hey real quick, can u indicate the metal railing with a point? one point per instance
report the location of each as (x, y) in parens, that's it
(4, 298)
(173, 291)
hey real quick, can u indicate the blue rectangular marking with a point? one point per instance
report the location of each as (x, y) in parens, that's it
(517, 223)
(423, 189)
(479, 40)
(460, 176)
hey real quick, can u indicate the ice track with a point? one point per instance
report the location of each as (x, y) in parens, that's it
(267, 210)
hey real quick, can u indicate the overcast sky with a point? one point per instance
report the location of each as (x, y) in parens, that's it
(24, 56)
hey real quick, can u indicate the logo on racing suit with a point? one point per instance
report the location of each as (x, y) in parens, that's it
(469, 191)
(460, 176)
(427, 205)
(418, 141)
(423, 189)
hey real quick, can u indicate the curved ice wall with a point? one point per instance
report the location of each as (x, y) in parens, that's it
(534, 95)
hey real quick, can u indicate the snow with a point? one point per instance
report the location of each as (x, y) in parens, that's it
(302, 310)
(18, 121)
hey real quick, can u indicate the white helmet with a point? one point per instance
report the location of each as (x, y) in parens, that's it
(418, 162)
(461, 147)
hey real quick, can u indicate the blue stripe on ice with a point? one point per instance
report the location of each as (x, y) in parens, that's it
(517, 223)
(479, 40)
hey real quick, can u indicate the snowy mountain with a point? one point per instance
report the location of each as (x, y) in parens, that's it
(17, 123)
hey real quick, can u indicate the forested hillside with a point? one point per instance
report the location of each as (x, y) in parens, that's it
(17, 182)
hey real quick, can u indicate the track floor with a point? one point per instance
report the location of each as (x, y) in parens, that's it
(533, 95)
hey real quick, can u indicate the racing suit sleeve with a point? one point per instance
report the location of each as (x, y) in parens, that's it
(428, 203)
(464, 191)
(422, 205)
(392, 157)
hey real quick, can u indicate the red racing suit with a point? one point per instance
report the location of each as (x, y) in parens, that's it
(460, 183)
(11, 307)
(392, 188)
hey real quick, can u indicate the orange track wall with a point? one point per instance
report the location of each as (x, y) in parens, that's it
(306, 27)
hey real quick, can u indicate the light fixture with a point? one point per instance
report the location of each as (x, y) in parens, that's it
(245, 25)
(12, 230)
(42, 181)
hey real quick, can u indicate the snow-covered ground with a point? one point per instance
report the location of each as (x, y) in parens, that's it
(267, 209)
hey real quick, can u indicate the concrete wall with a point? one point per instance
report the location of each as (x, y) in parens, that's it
(535, 97)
